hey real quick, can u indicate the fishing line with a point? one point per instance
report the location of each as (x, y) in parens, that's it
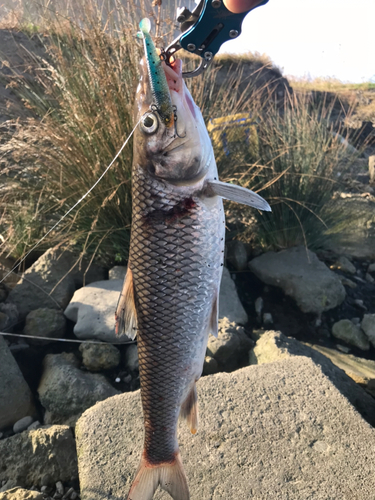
(51, 339)
(73, 207)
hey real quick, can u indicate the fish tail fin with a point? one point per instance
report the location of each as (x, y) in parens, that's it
(170, 476)
(145, 25)
(189, 410)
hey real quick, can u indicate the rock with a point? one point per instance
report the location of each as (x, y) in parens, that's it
(348, 282)
(117, 273)
(27, 457)
(23, 424)
(65, 391)
(277, 433)
(131, 357)
(210, 366)
(267, 319)
(35, 425)
(4, 321)
(93, 308)
(368, 326)
(18, 493)
(369, 278)
(45, 284)
(11, 311)
(16, 400)
(97, 357)
(229, 303)
(351, 334)
(302, 276)
(258, 305)
(60, 488)
(236, 254)
(44, 322)
(344, 265)
(359, 303)
(371, 268)
(274, 346)
(359, 369)
(230, 346)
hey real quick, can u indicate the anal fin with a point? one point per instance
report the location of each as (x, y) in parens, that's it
(189, 410)
(126, 316)
(239, 194)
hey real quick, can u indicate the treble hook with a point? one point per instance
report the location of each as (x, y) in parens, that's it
(174, 107)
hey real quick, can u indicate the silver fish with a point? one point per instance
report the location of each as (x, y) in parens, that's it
(170, 293)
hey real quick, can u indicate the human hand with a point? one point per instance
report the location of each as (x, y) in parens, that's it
(238, 6)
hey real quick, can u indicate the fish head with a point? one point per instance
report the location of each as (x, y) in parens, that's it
(179, 151)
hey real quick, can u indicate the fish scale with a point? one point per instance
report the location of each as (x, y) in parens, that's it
(174, 285)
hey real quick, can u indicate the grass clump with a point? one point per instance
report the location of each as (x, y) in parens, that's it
(82, 94)
(300, 165)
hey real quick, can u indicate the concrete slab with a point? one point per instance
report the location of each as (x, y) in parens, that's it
(280, 431)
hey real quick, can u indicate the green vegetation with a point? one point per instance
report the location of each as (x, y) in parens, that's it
(82, 97)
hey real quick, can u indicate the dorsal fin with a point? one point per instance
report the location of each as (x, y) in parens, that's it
(126, 316)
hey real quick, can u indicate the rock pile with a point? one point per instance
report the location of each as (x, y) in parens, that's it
(60, 382)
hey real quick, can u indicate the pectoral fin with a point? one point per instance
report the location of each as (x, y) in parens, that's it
(126, 317)
(239, 194)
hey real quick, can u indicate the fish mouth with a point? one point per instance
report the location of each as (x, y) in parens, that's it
(173, 73)
(175, 81)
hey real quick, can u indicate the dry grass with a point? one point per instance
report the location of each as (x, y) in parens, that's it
(82, 95)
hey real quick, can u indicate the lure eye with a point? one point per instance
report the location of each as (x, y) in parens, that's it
(149, 123)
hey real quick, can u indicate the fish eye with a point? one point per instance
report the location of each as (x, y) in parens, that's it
(149, 123)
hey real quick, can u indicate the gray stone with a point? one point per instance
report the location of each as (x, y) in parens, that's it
(12, 312)
(236, 254)
(35, 425)
(117, 273)
(45, 322)
(351, 334)
(97, 357)
(369, 278)
(18, 493)
(4, 321)
(16, 400)
(371, 268)
(92, 308)
(229, 303)
(131, 358)
(258, 305)
(25, 458)
(368, 326)
(230, 345)
(210, 366)
(302, 276)
(278, 433)
(274, 346)
(66, 392)
(22, 424)
(45, 284)
(344, 265)
(267, 319)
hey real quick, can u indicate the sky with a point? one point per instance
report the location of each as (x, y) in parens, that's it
(313, 38)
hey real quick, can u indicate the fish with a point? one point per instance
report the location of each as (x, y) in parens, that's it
(169, 299)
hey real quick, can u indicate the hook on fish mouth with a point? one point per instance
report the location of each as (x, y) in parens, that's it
(154, 108)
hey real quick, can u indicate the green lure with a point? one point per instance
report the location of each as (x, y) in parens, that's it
(158, 80)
